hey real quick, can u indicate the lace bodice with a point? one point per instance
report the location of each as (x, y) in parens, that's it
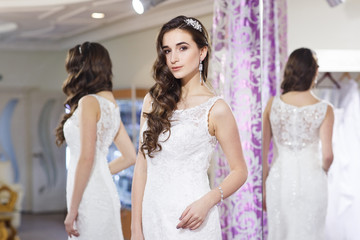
(294, 127)
(107, 127)
(177, 176)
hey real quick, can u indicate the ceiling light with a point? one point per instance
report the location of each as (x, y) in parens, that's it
(97, 15)
(140, 6)
(7, 27)
(334, 3)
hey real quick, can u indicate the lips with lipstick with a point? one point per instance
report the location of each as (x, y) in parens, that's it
(176, 68)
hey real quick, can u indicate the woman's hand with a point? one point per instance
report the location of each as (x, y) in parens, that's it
(69, 224)
(194, 215)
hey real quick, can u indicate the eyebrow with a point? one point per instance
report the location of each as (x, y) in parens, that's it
(180, 43)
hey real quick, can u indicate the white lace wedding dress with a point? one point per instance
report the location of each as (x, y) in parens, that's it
(99, 210)
(296, 188)
(177, 176)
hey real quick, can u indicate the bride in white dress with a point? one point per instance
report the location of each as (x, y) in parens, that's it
(90, 127)
(181, 122)
(301, 125)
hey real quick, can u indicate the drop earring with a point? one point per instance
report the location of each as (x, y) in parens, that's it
(201, 69)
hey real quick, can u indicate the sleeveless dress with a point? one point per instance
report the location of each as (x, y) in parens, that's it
(296, 188)
(177, 176)
(99, 209)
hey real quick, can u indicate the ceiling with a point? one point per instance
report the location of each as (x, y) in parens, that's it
(58, 24)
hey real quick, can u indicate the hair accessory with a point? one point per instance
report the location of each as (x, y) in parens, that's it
(194, 23)
(80, 49)
(200, 69)
(221, 194)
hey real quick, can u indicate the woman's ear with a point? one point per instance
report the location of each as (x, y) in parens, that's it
(203, 53)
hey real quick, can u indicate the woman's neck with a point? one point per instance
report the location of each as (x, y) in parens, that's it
(190, 86)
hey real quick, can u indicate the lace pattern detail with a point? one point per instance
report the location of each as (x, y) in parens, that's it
(108, 123)
(296, 127)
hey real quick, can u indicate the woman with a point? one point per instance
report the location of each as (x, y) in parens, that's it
(92, 124)
(181, 122)
(295, 194)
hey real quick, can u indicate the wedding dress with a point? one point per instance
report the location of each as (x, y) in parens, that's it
(342, 221)
(296, 188)
(99, 209)
(177, 176)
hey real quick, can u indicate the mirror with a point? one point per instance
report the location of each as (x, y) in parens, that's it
(329, 31)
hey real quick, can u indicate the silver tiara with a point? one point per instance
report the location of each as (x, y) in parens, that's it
(195, 24)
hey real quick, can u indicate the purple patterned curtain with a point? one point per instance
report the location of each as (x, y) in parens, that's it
(236, 71)
(274, 46)
(274, 55)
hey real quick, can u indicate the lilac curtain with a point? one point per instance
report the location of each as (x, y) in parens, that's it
(236, 71)
(274, 46)
(249, 51)
(274, 51)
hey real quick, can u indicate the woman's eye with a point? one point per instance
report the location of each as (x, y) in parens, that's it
(183, 48)
(166, 51)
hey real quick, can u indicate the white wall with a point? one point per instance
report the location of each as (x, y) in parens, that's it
(331, 31)
(26, 69)
(317, 25)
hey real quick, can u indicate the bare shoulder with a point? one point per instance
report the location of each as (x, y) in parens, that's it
(147, 102)
(330, 110)
(88, 101)
(221, 109)
(89, 106)
(269, 103)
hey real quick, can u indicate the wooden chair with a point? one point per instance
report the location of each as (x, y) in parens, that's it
(7, 205)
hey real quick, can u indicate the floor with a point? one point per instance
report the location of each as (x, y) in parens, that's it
(51, 226)
(42, 227)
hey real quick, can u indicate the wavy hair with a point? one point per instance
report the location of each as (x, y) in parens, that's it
(89, 71)
(300, 71)
(166, 91)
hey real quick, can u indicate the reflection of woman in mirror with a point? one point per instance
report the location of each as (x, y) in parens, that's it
(89, 129)
(301, 125)
(181, 122)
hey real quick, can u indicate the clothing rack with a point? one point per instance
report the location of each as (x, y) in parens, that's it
(358, 78)
(345, 75)
(332, 79)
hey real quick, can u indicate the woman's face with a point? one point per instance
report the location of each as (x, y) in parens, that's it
(182, 54)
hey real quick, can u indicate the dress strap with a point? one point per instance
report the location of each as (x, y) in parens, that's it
(210, 105)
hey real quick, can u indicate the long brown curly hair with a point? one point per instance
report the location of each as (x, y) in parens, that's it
(166, 91)
(300, 71)
(89, 71)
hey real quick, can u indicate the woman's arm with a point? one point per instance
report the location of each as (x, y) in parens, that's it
(222, 124)
(139, 181)
(125, 146)
(326, 131)
(266, 138)
(89, 114)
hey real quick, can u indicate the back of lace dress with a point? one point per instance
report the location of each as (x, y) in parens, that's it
(296, 128)
(296, 187)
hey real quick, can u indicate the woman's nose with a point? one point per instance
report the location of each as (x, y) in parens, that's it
(174, 57)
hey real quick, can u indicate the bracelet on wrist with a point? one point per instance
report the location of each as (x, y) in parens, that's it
(221, 195)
